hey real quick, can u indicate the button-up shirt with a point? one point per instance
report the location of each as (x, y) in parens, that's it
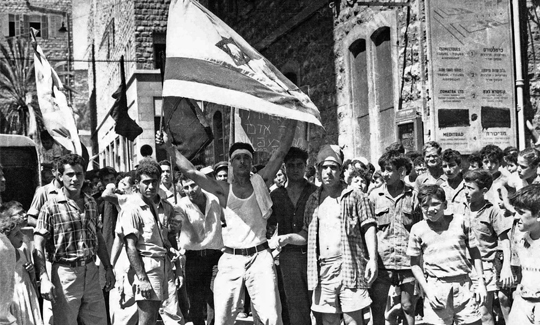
(199, 230)
(355, 212)
(455, 198)
(290, 218)
(41, 196)
(488, 224)
(138, 219)
(71, 233)
(395, 217)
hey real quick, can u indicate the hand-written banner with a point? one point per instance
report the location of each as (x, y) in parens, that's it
(264, 131)
(472, 73)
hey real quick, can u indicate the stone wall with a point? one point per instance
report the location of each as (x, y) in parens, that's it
(305, 50)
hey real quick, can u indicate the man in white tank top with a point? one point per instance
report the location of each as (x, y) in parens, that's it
(247, 206)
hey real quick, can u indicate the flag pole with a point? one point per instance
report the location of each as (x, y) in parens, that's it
(171, 160)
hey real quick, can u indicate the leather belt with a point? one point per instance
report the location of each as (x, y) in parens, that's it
(202, 252)
(77, 263)
(246, 251)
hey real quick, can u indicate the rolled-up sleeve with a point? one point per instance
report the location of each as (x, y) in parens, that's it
(44, 224)
(131, 222)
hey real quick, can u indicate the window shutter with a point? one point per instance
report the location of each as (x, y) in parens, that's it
(5, 23)
(25, 30)
(44, 27)
(17, 24)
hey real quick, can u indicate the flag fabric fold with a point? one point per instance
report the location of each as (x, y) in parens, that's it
(125, 125)
(208, 61)
(57, 115)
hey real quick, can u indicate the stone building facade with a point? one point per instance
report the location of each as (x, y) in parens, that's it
(364, 64)
(48, 17)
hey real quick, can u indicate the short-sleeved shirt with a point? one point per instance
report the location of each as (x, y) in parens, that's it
(488, 224)
(528, 250)
(288, 216)
(71, 234)
(137, 218)
(444, 250)
(455, 197)
(355, 212)
(199, 230)
(41, 196)
(395, 217)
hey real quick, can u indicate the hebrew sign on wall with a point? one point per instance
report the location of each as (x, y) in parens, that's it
(472, 73)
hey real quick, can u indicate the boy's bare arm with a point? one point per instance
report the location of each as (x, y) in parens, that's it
(507, 279)
(370, 236)
(269, 171)
(298, 239)
(219, 189)
(481, 292)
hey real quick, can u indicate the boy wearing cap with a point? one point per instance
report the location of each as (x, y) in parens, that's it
(247, 260)
(221, 171)
(342, 259)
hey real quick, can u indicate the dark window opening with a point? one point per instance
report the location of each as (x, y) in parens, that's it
(159, 55)
(37, 27)
(383, 68)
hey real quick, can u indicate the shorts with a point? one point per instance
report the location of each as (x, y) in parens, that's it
(157, 275)
(396, 277)
(525, 311)
(460, 305)
(491, 276)
(331, 297)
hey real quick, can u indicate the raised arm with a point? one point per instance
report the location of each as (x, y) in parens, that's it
(269, 171)
(219, 189)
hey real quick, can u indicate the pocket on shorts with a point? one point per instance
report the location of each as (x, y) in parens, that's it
(152, 263)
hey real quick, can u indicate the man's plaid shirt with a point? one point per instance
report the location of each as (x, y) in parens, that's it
(70, 233)
(355, 213)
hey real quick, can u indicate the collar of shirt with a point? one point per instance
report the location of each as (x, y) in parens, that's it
(62, 197)
(383, 190)
(344, 190)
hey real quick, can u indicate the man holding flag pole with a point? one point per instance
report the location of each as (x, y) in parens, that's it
(208, 61)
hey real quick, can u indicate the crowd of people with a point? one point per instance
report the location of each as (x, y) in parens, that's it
(419, 235)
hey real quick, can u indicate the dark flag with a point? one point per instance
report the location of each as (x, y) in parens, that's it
(125, 126)
(186, 125)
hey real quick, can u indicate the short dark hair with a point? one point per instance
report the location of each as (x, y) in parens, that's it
(165, 163)
(130, 174)
(531, 156)
(413, 155)
(106, 171)
(346, 164)
(527, 198)
(492, 152)
(431, 144)
(147, 166)
(419, 161)
(395, 158)
(183, 178)
(360, 173)
(294, 153)
(398, 146)
(430, 191)
(451, 155)
(241, 145)
(475, 157)
(510, 150)
(481, 177)
(310, 171)
(511, 158)
(69, 159)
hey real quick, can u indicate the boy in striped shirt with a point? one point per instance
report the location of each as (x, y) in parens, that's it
(438, 248)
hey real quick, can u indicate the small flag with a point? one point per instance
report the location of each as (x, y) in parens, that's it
(125, 126)
(208, 61)
(57, 115)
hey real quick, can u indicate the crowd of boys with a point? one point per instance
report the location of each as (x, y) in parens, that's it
(429, 234)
